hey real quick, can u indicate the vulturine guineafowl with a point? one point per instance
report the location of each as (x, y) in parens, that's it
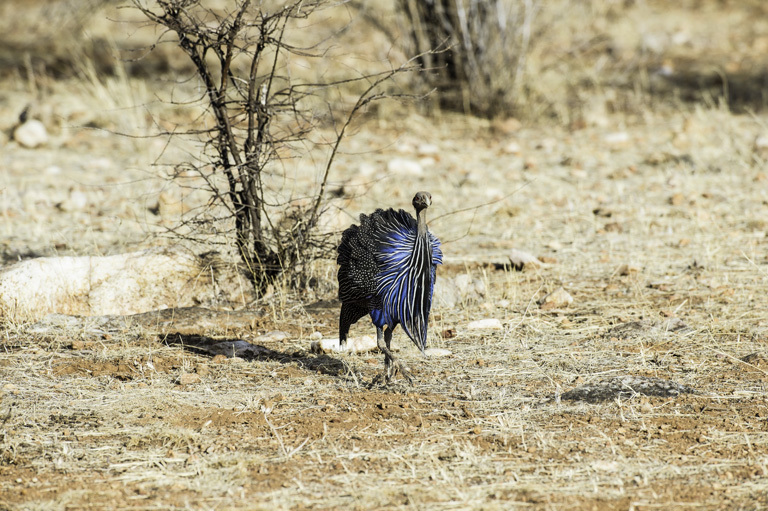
(387, 269)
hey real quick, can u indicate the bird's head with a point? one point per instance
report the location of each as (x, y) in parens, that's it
(422, 200)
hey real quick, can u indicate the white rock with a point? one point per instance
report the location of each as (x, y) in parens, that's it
(605, 466)
(556, 299)
(353, 345)
(405, 147)
(77, 201)
(274, 335)
(616, 138)
(99, 164)
(366, 169)
(53, 170)
(427, 150)
(31, 134)
(437, 352)
(427, 161)
(680, 38)
(119, 284)
(404, 167)
(555, 245)
(521, 259)
(512, 148)
(315, 336)
(548, 145)
(485, 324)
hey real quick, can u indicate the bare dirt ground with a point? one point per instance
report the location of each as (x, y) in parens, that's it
(654, 220)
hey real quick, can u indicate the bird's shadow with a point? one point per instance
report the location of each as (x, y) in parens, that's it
(207, 346)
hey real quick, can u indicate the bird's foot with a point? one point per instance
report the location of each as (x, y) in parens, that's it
(399, 367)
(391, 370)
(388, 376)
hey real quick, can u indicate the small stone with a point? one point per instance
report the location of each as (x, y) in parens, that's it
(677, 199)
(31, 134)
(353, 345)
(404, 167)
(556, 299)
(437, 352)
(448, 333)
(274, 335)
(99, 164)
(77, 201)
(628, 269)
(511, 148)
(507, 126)
(315, 336)
(189, 378)
(219, 359)
(78, 345)
(485, 324)
(521, 260)
(661, 286)
(366, 169)
(10, 388)
(427, 150)
(617, 138)
(554, 245)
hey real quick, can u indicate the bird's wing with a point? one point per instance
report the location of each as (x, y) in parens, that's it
(357, 263)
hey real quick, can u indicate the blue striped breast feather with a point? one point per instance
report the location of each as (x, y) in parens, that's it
(406, 275)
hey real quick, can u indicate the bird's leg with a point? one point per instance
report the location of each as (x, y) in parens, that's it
(384, 348)
(387, 357)
(392, 365)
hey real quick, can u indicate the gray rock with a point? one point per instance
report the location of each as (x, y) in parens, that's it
(470, 289)
(556, 299)
(446, 294)
(450, 292)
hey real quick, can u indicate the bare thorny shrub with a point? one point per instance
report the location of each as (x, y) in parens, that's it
(481, 52)
(260, 114)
